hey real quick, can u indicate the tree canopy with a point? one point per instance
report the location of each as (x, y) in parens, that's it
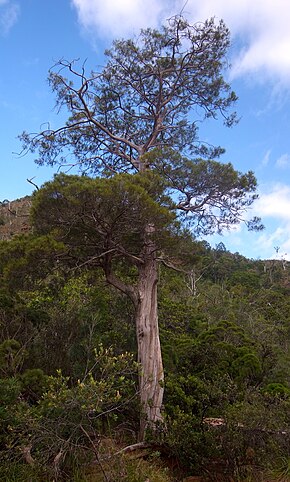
(152, 93)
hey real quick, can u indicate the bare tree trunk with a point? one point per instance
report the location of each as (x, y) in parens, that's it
(149, 350)
(144, 298)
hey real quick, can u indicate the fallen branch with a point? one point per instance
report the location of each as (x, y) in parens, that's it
(132, 448)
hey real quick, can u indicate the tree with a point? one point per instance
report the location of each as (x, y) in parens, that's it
(140, 114)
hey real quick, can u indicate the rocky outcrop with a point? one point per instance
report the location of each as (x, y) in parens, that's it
(14, 217)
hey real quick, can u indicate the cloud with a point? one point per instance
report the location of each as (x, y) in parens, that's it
(261, 35)
(115, 18)
(273, 206)
(260, 29)
(273, 244)
(274, 203)
(265, 244)
(266, 158)
(9, 13)
(283, 161)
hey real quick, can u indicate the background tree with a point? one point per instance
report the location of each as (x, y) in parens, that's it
(141, 113)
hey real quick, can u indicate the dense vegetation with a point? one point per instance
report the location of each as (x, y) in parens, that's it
(96, 362)
(69, 388)
(133, 125)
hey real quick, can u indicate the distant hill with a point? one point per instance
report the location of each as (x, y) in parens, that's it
(14, 217)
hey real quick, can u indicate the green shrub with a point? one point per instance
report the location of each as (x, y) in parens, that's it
(65, 427)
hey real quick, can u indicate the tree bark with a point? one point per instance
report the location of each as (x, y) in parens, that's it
(149, 351)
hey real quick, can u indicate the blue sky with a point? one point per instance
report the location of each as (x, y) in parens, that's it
(35, 34)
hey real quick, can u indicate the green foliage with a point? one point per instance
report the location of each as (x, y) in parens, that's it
(10, 390)
(25, 259)
(33, 384)
(62, 319)
(69, 419)
(225, 320)
(277, 389)
(195, 396)
(128, 469)
(107, 219)
(210, 195)
(16, 471)
(111, 132)
(92, 208)
(281, 470)
(257, 431)
(11, 356)
(188, 441)
(12, 411)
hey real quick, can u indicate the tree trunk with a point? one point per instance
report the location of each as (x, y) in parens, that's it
(144, 298)
(149, 350)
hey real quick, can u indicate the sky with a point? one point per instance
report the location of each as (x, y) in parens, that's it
(35, 34)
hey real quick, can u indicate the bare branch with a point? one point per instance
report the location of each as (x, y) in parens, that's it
(128, 290)
(33, 184)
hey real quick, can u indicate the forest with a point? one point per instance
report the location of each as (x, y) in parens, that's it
(132, 350)
(69, 376)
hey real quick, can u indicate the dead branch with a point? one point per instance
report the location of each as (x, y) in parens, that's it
(132, 448)
(33, 184)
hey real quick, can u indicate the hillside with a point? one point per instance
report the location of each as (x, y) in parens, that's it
(68, 372)
(14, 217)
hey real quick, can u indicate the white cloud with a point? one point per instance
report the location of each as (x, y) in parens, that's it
(266, 158)
(274, 203)
(265, 245)
(117, 18)
(273, 206)
(9, 13)
(267, 241)
(260, 28)
(283, 161)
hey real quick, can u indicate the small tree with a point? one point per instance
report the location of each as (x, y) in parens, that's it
(140, 114)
